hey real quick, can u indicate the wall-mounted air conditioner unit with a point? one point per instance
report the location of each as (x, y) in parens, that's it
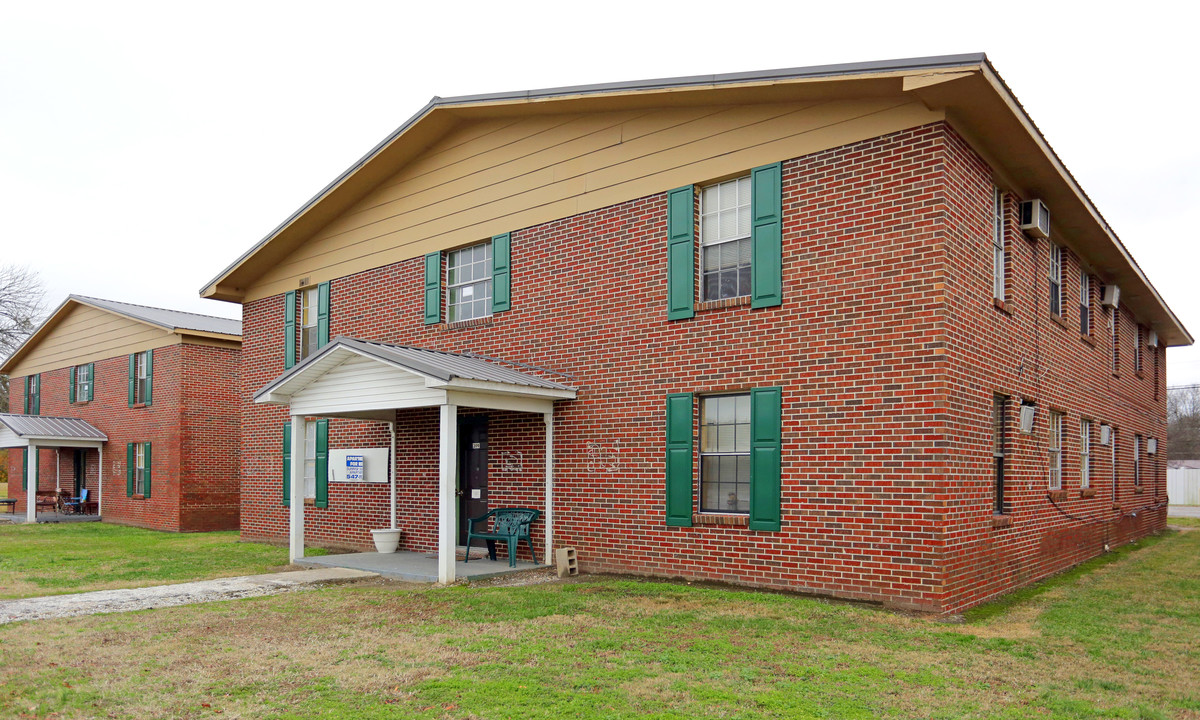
(1152, 446)
(1152, 341)
(1105, 434)
(1112, 296)
(1027, 412)
(1035, 219)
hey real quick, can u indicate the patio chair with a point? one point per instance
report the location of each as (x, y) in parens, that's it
(509, 525)
(49, 501)
(76, 504)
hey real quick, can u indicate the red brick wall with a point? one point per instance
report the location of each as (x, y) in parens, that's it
(204, 486)
(1023, 352)
(885, 296)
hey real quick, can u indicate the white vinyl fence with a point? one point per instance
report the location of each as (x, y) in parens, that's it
(1183, 486)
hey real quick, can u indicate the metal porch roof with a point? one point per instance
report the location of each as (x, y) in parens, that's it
(40, 427)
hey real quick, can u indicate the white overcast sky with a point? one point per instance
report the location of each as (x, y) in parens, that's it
(143, 147)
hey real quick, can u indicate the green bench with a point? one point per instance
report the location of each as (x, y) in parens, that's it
(509, 525)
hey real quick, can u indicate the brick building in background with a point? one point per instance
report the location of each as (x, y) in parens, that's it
(156, 393)
(807, 329)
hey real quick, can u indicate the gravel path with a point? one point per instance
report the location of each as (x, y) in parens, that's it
(107, 601)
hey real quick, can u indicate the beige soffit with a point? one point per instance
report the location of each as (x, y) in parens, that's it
(965, 89)
(130, 328)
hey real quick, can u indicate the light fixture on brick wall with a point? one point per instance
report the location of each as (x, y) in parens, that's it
(1027, 413)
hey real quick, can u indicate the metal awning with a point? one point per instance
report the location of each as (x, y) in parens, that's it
(24, 430)
(370, 380)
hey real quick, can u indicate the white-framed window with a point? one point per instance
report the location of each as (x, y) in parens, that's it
(725, 454)
(469, 281)
(141, 387)
(1114, 324)
(310, 459)
(1137, 350)
(725, 226)
(1085, 303)
(139, 475)
(1085, 453)
(309, 340)
(1137, 460)
(1112, 451)
(998, 244)
(1056, 427)
(1056, 279)
(999, 403)
(83, 382)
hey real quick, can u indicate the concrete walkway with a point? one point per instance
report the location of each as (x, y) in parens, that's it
(108, 601)
(1183, 511)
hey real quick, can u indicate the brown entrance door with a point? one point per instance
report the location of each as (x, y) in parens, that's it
(472, 472)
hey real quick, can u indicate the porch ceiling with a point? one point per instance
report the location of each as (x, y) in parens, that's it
(24, 430)
(368, 380)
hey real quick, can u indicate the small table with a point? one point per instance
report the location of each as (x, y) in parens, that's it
(11, 503)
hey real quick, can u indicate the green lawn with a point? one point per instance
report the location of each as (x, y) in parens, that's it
(1183, 522)
(1116, 640)
(51, 559)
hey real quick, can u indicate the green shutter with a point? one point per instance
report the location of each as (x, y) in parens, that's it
(132, 379)
(71, 385)
(322, 464)
(146, 473)
(149, 399)
(501, 273)
(35, 402)
(679, 459)
(91, 394)
(766, 237)
(130, 468)
(25, 470)
(26, 408)
(289, 329)
(322, 315)
(681, 253)
(287, 464)
(433, 288)
(766, 457)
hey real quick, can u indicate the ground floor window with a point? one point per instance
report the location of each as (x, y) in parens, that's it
(310, 459)
(999, 403)
(1056, 424)
(725, 454)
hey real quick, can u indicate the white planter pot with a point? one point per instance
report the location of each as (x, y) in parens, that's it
(386, 541)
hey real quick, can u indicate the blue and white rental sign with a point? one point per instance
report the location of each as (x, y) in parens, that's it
(358, 465)
(354, 468)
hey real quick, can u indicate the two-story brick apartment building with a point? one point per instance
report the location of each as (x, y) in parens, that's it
(137, 405)
(786, 329)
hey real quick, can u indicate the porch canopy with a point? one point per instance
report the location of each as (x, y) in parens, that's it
(351, 378)
(38, 431)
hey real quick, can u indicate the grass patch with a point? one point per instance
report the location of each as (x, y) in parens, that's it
(1003, 604)
(51, 559)
(1112, 642)
(1187, 522)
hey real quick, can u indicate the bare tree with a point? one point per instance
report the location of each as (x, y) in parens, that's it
(1183, 423)
(22, 296)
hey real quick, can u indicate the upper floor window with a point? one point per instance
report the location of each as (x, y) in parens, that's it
(1137, 350)
(33, 394)
(1056, 429)
(309, 340)
(1085, 303)
(725, 454)
(82, 383)
(142, 389)
(1056, 279)
(725, 226)
(1115, 324)
(998, 244)
(469, 282)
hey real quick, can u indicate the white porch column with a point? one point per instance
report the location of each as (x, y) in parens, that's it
(549, 417)
(447, 476)
(31, 487)
(99, 481)
(296, 525)
(392, 476)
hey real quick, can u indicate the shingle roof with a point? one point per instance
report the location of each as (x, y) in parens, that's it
(172, 319)
(42, 427)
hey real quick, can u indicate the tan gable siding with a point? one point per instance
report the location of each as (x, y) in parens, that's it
(86, 334)
(502, 174)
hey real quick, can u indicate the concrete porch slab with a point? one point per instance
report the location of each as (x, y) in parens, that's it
(18, 518)
(416, 567)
